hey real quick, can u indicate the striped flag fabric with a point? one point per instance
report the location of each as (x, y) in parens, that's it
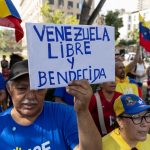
(9, 17)
(144, 31)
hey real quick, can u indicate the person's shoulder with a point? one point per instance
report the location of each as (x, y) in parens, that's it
(144, 145)
(5, 113)
(109, 140)
(148, 137)
(55, 106)
(132, 80)
(5, 116)
(109, 137)
(117, 94)
(1, 76)
(59, 112)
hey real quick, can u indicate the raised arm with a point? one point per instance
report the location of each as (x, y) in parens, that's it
(132, 64)
(89, 137)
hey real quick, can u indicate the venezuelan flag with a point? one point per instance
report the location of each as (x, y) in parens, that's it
(9, 17)
(144, 31)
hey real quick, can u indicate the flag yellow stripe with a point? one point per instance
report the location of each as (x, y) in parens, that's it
(141, 18)
(144, 23)
(4, 9)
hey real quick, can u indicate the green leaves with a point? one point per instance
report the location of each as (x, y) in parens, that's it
(8, 42)
(112, 19)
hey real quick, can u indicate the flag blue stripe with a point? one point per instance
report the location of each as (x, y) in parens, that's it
(12, 9)
(145, 32)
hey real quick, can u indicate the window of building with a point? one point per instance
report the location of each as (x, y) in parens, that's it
(129, 27)
(51, 2)
(135, 18)
(78, 5)
(78, 16)
(70, 13)
(129, 18)
(70, 4)
(60, 3)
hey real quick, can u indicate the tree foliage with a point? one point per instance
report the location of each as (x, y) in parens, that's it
(112, 19)
(134, 35)
(57, 17)
(8, 43)
(124, 42)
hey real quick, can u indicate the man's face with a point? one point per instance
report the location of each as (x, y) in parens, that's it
(120, 70)
(119, 57)
(135, 132)
(109, 86)
(27, 103)
(3, 96)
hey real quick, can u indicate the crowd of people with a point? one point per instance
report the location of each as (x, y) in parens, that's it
(115, 117)
(5, 100)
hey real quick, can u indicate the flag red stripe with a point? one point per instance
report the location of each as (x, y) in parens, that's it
(13, 22)
(145, 43)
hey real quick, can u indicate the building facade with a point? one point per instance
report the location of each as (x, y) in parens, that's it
(131, 22)
(30, 11)
(69, 7)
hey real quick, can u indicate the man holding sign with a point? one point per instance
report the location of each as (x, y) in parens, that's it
(34, 124)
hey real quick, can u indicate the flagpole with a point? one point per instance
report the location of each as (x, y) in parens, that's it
(141, 52)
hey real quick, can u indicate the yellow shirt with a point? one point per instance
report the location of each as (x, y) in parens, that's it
(126, 69)
(114, 141)
(125, 87)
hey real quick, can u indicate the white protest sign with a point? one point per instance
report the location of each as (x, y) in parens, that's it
(60, 53)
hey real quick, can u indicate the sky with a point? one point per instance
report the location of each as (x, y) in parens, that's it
(16, 3)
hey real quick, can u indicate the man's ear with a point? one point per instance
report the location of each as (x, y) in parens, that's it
(120, 122)
(9, 88)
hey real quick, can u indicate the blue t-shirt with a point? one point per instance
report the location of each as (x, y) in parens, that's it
(54, 129)
(2, 82)
(66, 97)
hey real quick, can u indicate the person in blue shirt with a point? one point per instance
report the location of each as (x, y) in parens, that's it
(32, 123)
(61, 95)
(3, 94)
